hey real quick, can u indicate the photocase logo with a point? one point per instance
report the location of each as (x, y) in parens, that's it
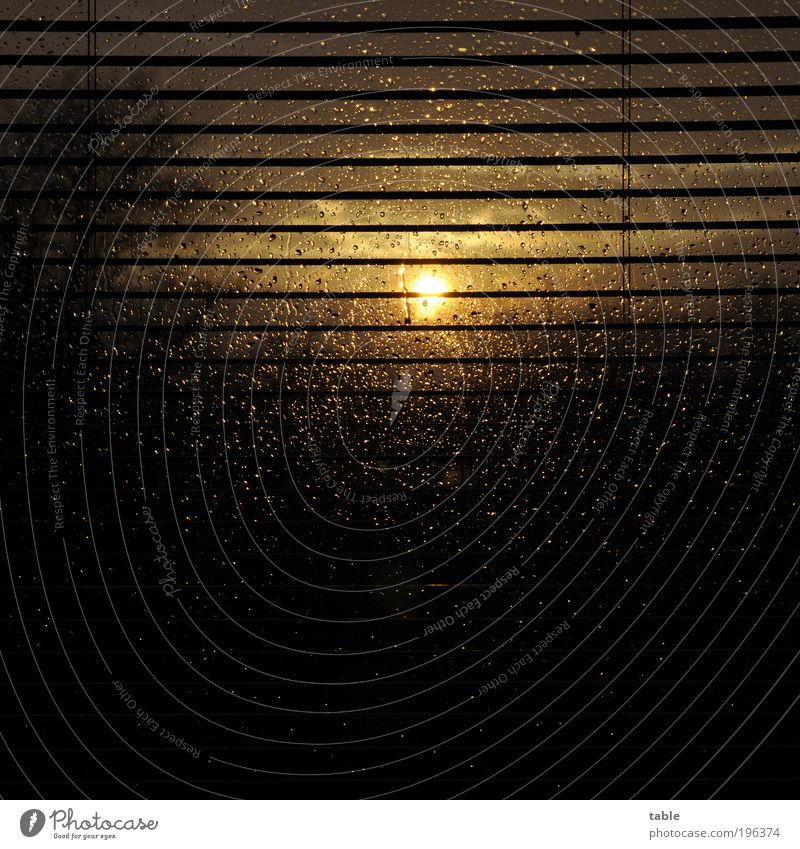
(31, 822)
(402, 389)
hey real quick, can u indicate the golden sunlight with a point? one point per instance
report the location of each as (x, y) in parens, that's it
(430, 285)
(424, 293)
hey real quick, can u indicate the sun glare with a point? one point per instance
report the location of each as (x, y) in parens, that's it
(422, 295)
(429, 285)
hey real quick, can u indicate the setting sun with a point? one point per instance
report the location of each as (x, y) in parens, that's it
(426, 292)
(429, 284)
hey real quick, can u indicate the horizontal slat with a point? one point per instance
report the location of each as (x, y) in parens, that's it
(403, 161)
(593, 327)
(430, 261)
(589, 226)
(478, 194)
(687, 358)
(301, 129)
(619, 93)
(382, 62)
(565, 24)
(324, 296)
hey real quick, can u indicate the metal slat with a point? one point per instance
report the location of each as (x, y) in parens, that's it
(565, 24)
(754, 57)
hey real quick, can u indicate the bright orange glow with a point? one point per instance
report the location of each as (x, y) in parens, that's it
(423, 295)
(429, 285)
